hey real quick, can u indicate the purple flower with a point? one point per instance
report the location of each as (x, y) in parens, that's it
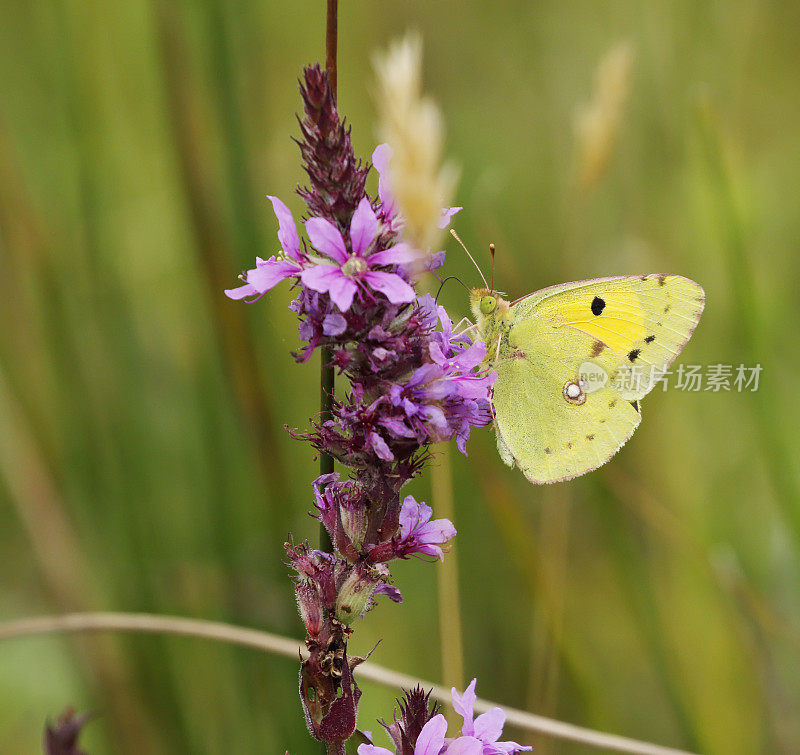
(350, 273)
(418, 534)
(380, 161)
(484, 730)
(268, 273)
(447, 396)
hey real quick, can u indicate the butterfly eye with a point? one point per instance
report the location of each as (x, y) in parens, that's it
(488, 304)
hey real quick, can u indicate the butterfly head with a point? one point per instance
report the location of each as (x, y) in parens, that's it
(486, 303)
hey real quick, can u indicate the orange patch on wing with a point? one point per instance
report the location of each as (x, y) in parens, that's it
(620, 325)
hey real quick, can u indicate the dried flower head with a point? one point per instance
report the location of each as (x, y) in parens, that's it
(412, 126)
(597, 124)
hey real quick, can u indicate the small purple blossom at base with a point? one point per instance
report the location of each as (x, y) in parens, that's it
(479, 736)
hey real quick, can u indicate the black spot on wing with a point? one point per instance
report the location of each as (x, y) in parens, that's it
(597, 306)
(662, 279)
(597, 348)
(649, 339)
(590, 437)
(633, 353)
(635, 405)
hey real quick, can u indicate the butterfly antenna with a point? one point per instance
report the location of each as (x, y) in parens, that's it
(491, 251)
(449, 277)
(455, 236)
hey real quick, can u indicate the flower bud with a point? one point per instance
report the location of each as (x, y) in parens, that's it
(310, 609)
(354, 521)
(355, 594)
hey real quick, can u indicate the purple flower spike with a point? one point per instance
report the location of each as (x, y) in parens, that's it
(418, 534)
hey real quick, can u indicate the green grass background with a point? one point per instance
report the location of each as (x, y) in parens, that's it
(143, 464)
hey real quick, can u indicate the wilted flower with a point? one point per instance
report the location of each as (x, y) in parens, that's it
(62, 738)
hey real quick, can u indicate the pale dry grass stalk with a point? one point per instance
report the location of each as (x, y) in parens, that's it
(284, 646)
(597, 125)
(546, 638)
(412, 126)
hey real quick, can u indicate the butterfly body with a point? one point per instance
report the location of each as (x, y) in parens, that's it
(561, 402)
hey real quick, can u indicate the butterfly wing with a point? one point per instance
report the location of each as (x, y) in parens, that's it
(625, 324)
(645, 320)
(549, 437)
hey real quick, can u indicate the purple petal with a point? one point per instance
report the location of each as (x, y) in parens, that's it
(504, 748)
(334, 325)
(465, 746)
(342, 291)
(413, 514)
(397, 427)
(447, 213)
(390, 591)
(439, 530)
(381, 449)
(437, 354)
(365, 749)
(399, 254)
(392, 286)
(434, 261)
(435, 416)
(475, 387)
(326, 238)
(287, 230)
(320, 277)
(363, 227)
(271, 272)
(472, 356)
(429, 549)
(431, 739)
(241, 292)
(380, 159)
(463, 705)
(489, 725)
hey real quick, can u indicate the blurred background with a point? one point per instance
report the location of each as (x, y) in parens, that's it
(143, 460)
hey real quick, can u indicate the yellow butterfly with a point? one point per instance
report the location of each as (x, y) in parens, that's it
(565, 400)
